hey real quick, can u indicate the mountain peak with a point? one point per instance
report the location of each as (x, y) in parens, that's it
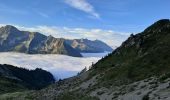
(89, 46)
(10, 27)
(158, 26)
(163, 21)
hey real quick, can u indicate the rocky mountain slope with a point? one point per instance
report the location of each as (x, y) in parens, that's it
(12, 39)
(138, 70)
(14, 79)
(89, 46)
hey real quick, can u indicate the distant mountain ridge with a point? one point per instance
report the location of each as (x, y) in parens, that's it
(12, 39)
(89, 46)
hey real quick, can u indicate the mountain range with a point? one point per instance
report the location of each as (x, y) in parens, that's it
(137, 70)
(12, 39)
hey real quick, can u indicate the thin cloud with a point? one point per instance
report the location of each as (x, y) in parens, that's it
(8, 9)
(83, 5)
(43, 14)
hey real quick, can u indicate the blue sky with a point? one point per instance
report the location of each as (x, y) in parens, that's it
(97, 18)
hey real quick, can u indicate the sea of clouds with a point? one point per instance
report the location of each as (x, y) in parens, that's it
(61, 66)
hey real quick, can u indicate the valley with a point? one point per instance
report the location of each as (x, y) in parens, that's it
(61, 66)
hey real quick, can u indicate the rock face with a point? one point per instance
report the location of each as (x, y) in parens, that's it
(13, 79)
(138, 70)
(88, 46)
(12, 39)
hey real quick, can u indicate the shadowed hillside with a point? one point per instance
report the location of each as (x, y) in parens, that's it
(13, 79)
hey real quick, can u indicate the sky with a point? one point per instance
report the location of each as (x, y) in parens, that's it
(111, 21)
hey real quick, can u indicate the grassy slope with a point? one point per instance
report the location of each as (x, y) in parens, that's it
(10, 85)
(14, 79)
(141, 56)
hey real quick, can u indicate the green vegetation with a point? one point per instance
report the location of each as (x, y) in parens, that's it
(146, 97)
(75, 96)
(10, 96)
(164, 77)
(14, 79)
(10, 85)
(141, 56)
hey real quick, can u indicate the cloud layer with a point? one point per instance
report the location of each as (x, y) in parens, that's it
(59, 65)
(83, 5)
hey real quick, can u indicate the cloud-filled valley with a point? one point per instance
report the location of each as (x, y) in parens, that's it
(60, 66)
